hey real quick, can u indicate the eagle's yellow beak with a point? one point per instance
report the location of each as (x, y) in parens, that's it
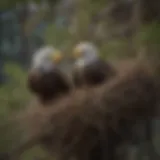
(56, 57)
(77, 52)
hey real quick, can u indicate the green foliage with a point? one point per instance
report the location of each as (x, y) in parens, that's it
(35, 153)
(16, 91)
(114, 49)
(13, 97)
(149, 38)
(149, 34)
(57, 36)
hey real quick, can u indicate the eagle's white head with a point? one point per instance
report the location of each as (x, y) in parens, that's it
(46, 58)
(85, 53)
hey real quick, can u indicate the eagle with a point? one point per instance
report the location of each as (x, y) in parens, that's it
(46, 78)
(89, 69)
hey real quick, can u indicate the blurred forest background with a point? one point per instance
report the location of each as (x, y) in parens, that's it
(120, 28)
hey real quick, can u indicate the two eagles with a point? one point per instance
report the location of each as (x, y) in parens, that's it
(48, 77)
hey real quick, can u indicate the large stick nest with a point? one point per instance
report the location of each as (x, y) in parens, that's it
(75, 124)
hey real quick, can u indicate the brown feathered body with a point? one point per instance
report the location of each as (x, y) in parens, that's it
(93, 74)
(76, 125)
(48, 85)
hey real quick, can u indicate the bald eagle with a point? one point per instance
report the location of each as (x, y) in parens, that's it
(46, 78)
(89, 69)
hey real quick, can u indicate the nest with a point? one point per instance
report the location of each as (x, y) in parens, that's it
(77, 124)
